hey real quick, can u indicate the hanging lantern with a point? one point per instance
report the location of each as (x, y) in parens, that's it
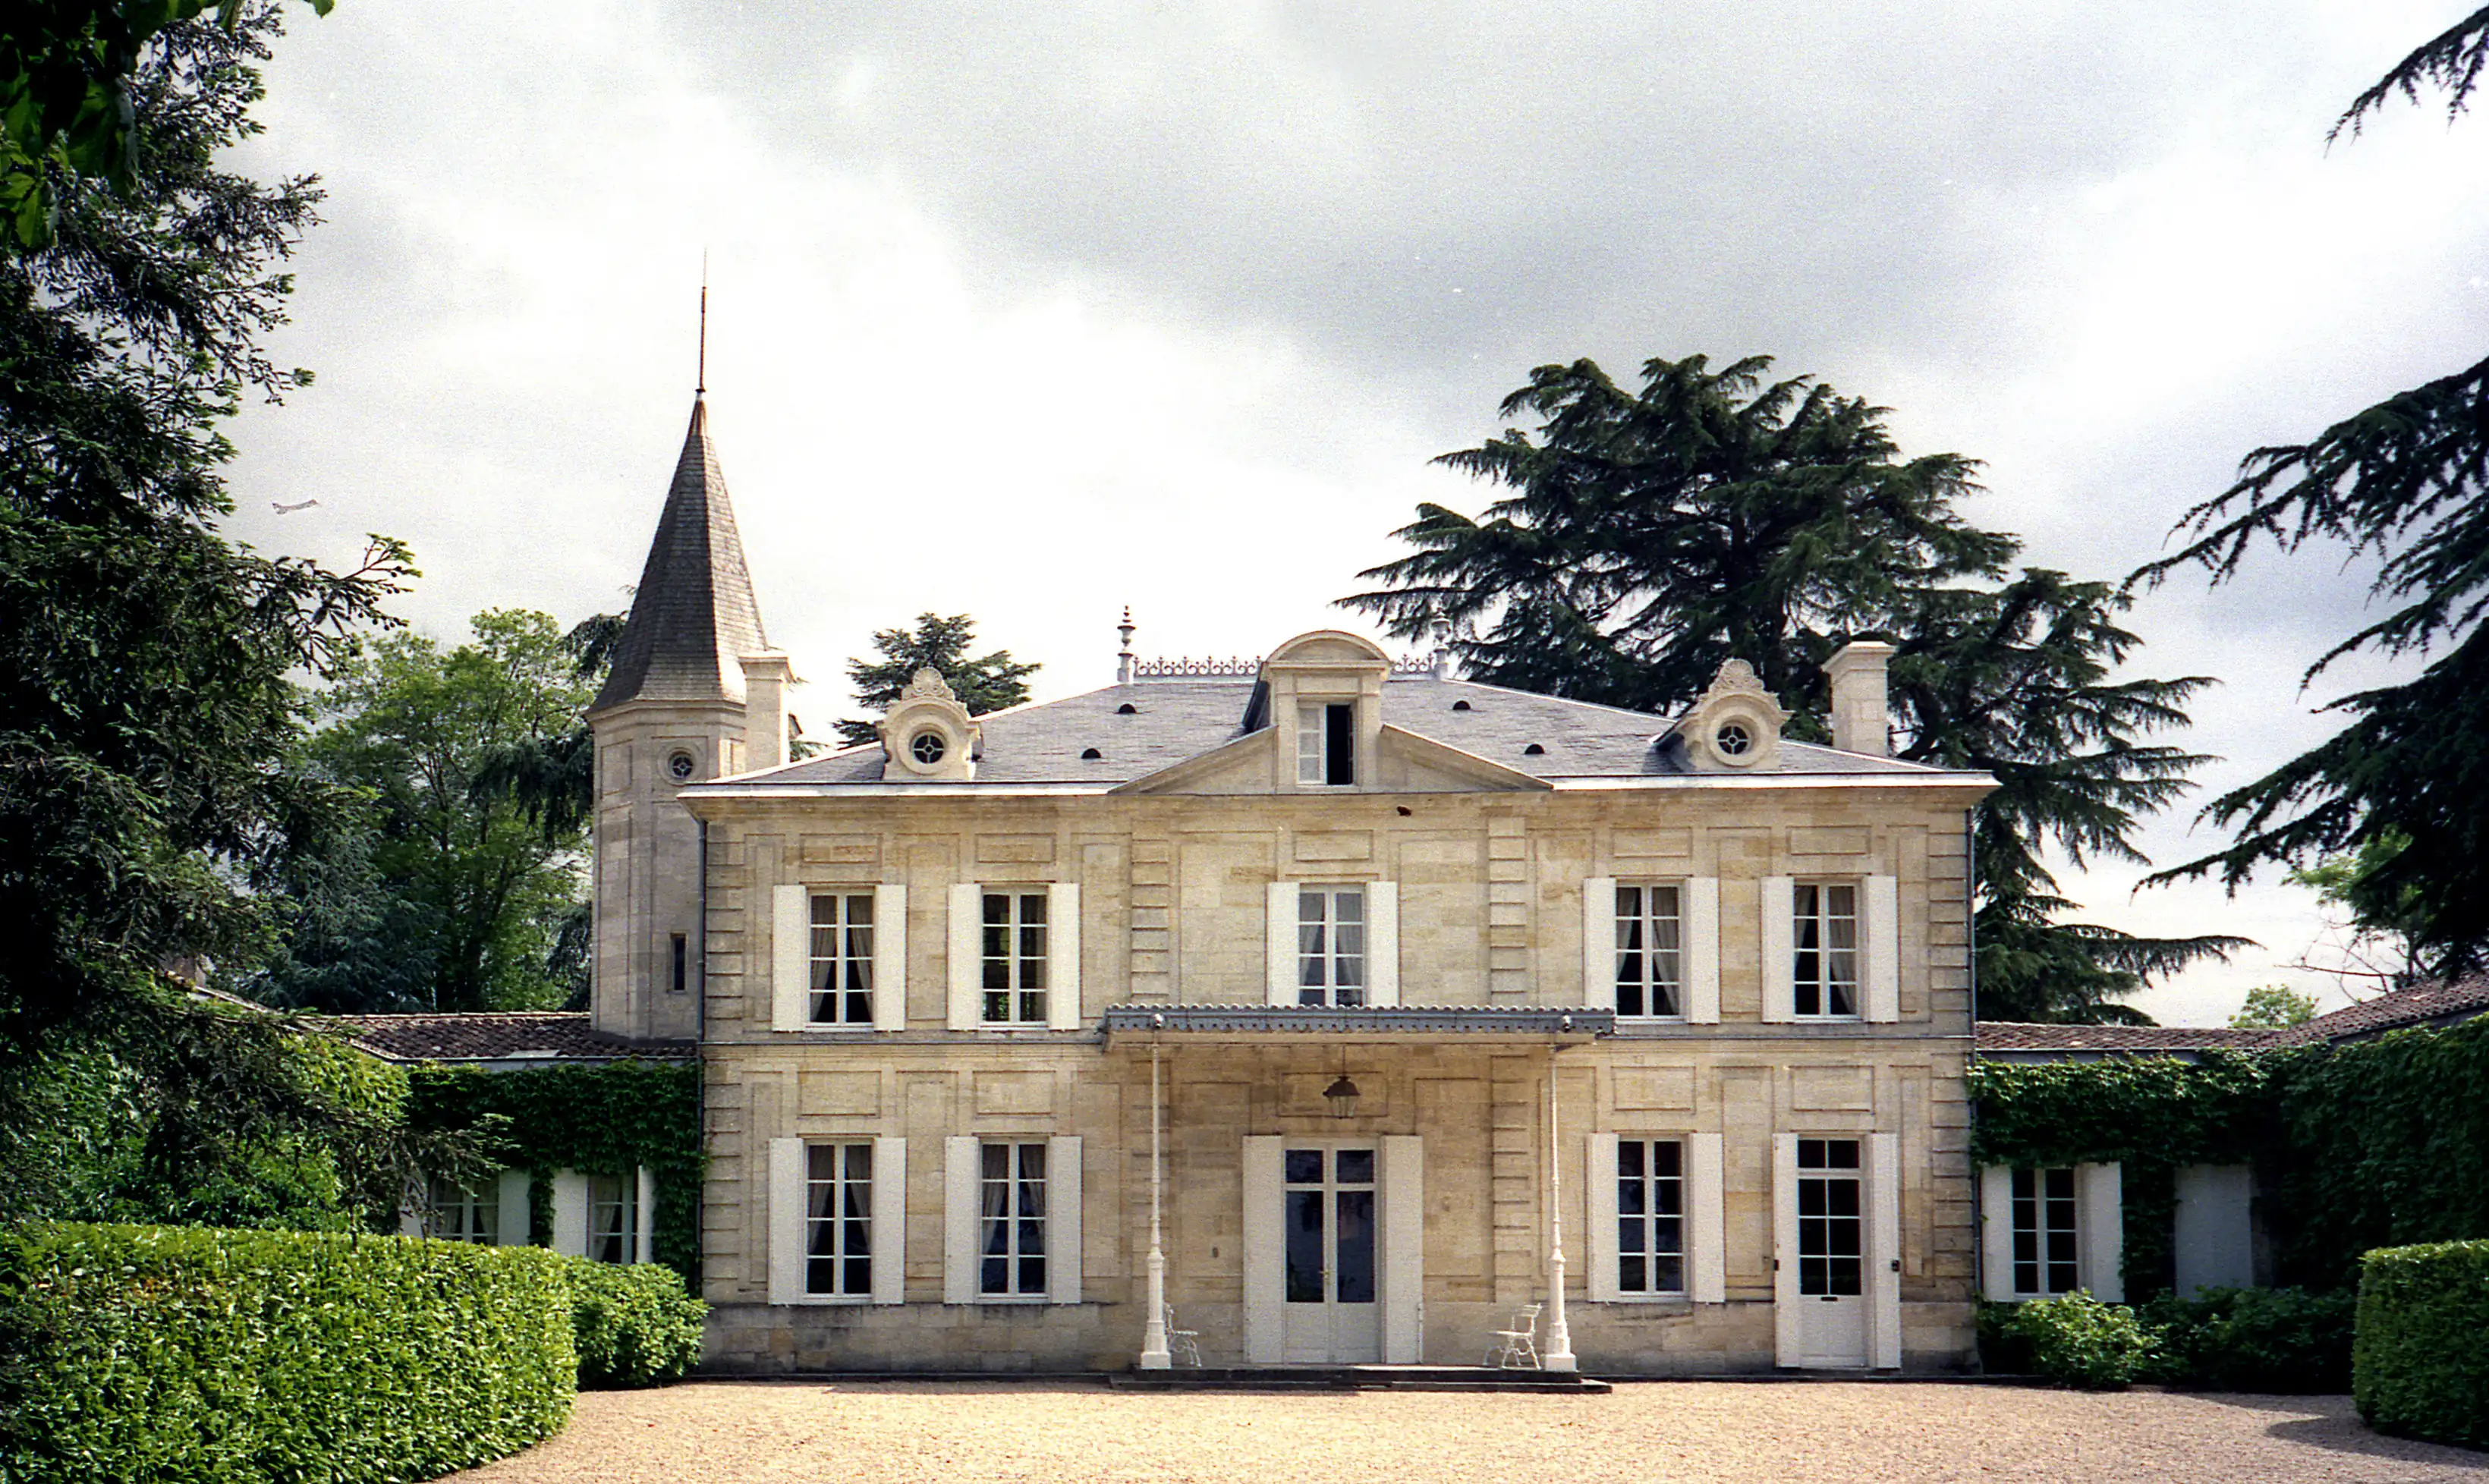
(1341, 1095)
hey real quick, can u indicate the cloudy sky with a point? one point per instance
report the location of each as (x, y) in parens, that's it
(1034, 311)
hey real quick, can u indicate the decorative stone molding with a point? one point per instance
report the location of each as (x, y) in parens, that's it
(927, 735)
(1735, 727)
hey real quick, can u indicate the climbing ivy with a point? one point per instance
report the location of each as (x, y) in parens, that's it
(602, 1120)
(2356, 1146)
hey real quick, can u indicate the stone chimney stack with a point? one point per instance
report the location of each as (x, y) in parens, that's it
(765, 678)
(1861, 722)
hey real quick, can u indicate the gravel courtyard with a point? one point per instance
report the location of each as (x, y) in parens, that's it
(1646, 1433)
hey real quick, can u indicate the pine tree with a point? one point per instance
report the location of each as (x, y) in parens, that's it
(990, 682)
(1651, 536)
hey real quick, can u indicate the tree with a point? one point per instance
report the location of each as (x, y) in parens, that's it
(2402, 481)
(2366, 940)
(986, 683)
(2274, 1007)
(1651, 536)
(145, 699)
(70, 98)
(458, 878)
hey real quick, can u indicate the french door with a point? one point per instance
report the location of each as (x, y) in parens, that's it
(1329, 1266)
(1831, 1254)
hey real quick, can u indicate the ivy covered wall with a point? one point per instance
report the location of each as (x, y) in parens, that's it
(2370, 1143)
(599, 1120)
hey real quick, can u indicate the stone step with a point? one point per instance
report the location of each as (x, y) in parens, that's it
(1359, 1378)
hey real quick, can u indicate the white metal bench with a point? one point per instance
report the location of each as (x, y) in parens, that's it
(1517, 1348)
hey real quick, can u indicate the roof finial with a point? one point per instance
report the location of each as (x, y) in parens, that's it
(1124, 661)
(700, 382)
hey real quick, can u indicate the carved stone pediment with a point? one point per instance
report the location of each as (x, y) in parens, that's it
(927, 735)
(1735, 726)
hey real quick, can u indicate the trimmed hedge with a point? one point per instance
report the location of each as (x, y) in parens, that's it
(139, 1353)
(2420, 1366)
(633, 1326)
(2286, 1340)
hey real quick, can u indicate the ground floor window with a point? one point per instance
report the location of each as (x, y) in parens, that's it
(1650, 1216)
(465, 1214)
(614, 1219)
(1011, 1220)
(837, 1236)
(2043, 1214)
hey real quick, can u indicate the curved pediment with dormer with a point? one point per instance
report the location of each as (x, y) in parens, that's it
(1328, 648)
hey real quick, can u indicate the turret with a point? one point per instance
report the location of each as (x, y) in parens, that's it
(672, 712)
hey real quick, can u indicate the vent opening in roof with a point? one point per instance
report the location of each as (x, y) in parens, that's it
(1128, 709)
(1090, 755)
(1534, 749)
(1461, 705)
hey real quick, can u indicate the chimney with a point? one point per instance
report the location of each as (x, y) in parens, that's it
(1446, 665)
(1860, 720)
(765, 678)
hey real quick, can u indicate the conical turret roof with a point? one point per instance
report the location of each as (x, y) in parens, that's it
(694, 615)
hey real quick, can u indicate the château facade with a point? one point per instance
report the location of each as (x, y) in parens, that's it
(1323, 1009)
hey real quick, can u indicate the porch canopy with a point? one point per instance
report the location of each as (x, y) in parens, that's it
(1260, 1022)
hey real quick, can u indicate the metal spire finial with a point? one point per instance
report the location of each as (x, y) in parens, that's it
(1124, 660)
(700, 382)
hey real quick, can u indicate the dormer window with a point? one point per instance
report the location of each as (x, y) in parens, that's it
(1327, 744)
(928, 748)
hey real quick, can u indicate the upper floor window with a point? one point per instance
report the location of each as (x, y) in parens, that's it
(2044, 1232)
(614, 1219)
(1650, 1216)
(1649, 966)
(838, 1220)
(1825, 971)
(1015, 958)
(1327, 744)
(1330, 945)
(463, 1213)
(1011, 1220)
(841, 981)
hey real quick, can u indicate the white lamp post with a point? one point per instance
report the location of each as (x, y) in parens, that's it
(1153, 1336)
(1560, 1333)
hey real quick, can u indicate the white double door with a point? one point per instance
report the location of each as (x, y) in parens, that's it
(1331, 1308)
(1335, 1249)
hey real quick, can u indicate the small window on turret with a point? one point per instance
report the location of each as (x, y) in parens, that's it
(1128, 709)
(1090, 755)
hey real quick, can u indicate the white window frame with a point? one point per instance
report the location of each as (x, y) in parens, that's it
(1644, 929)
(2099, 1233)
(849, 960)
(1015, 962)
(966, 1228)
(1652, 1190)
(792, 967)
(1322, 962)
(616, 1240)
(1824, 923)
(850, 1219)
(789, 1197)
(1702, 1222)
(466, 1213)
(1313, 744)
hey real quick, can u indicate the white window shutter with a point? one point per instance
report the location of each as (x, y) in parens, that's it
(1404, 1249)
(1698, 949)
(1706, 1220)
(967, 964)
(1063, 1239)
(787, 1220)
(1264, 1244)
(645, 1241)
(1599, 1195)
(890, 1221)
(1884, 1250)
(570, 1213)
(890, 957)
(1599, 943)
(1778, 907)
(1883, 965)
(1786, 1343)
(2099, 1235)
(1996, 1233)
(516, 1215)
(1383, 943)
(409, 1221)
(960, 1180)
(790, 958)
(1063, 1010)
(1280, 949)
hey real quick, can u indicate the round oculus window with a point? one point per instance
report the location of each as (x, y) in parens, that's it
(680, 765)
(928, 748)
(1733, 740)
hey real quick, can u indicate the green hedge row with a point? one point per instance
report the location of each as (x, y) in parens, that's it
(2420, 1366)
(215, 1356)
(633, 1326)
(2226, 1339)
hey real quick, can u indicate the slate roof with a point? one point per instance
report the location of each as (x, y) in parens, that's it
(692, 616)
(2440, 1002)
(501, 1036)
(1173, 720)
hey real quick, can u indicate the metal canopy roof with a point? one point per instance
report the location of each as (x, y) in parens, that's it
(1241, 1020)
